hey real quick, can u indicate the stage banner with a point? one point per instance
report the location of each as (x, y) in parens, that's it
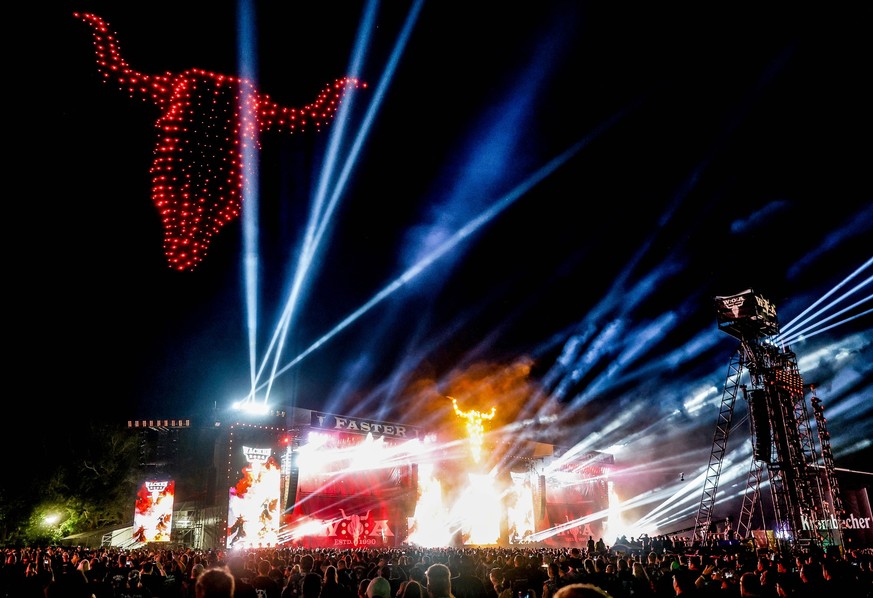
(330, 422)
(857, 522)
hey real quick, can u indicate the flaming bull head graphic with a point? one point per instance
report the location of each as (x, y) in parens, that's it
(207, 121)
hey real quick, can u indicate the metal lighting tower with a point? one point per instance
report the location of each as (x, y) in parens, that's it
(805, 496)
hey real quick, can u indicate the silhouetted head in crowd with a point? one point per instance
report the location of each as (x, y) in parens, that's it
(214, 583)
(581, 590)
(439, 581)
(379, 587)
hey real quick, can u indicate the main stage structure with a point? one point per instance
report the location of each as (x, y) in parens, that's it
(320, 480)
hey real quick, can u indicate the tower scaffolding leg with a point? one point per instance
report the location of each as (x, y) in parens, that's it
(719, 446)
(751, 501)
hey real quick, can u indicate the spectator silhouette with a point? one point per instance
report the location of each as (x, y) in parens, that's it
(70, 583)
(413, 589)
(518, 576)
(264, 584)
(379, 587)
(498, 584)
(331, 587)
(241, 578)
(642, 586)
(216, 582)
(553, 583)
(582, 590)
(439, 581)
(683, 583)
(465, 584)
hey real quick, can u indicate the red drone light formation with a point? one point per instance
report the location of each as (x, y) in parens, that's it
(207, 121)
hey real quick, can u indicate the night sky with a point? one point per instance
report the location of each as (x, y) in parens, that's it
(548, 196)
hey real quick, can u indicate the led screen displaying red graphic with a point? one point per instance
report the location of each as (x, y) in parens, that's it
(349, 494)
(153, 516)
(350, 510)
(253, 507)
(569, 510)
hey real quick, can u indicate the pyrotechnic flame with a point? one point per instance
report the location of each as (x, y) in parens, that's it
(475, 427)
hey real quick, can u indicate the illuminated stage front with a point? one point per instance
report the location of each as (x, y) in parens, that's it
(348, 482)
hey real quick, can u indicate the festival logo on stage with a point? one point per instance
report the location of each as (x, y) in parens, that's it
(358, 530)
(153, 516)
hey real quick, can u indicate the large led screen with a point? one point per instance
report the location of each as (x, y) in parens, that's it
(253, 515)
(153, 515)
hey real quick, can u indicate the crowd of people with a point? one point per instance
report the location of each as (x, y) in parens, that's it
(522, 571)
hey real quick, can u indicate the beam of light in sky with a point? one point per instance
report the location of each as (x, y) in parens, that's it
(490, 156)
(610, 378)
(799, 319)
(685, 495)
(811, 330)
(319, 221)
(323, 222)
(378, 95)
(668, 398)
(625, 299)
(489, 160)
(247, 59)
(576, 363)
(319, 216)
(592, 440)
(688, 494)
(811, 326)
(621, 300)
(676, 503)
(459, 236)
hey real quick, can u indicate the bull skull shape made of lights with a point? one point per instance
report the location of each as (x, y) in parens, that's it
(207, 122)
